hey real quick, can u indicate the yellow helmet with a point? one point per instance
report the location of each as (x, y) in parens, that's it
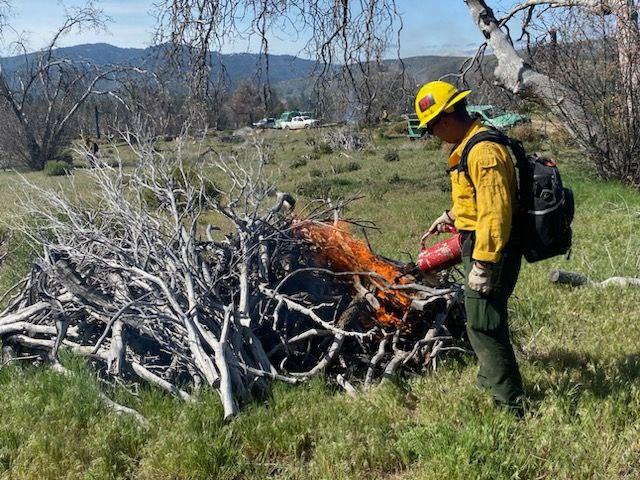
(433, 98)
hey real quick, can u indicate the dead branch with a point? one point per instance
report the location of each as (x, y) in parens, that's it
(576, 279)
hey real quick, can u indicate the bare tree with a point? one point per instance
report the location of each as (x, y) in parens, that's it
(347, 38)
(593, 90)
(368, 98)
(44, 95)
(248, 104)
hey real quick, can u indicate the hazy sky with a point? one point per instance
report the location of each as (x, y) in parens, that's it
(430, 26)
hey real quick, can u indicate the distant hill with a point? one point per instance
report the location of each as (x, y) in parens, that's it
(237, 66)
(288, 73)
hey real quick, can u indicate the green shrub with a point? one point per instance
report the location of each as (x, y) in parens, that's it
(347, 167)
(395, 178)
(299, 162)
(56, 168)
(230, 139)
(391, 155)
(322, 148)
(65, 155)
(324, 187)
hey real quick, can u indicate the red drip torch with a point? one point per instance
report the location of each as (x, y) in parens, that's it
(442, 255)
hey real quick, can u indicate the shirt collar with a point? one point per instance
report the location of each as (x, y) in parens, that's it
(456, 153)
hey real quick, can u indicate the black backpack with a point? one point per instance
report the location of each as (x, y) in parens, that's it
(546, 207)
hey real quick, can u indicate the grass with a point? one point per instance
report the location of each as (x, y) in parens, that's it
(578, 350)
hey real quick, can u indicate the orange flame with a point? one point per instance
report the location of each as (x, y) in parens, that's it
(339, 251)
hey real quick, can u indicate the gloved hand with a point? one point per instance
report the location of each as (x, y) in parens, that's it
(440, 225)
(480, 277)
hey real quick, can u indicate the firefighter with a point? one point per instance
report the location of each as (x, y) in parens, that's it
(484, 201)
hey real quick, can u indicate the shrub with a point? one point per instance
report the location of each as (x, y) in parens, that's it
(299, 162)
(347, 167)
(395, 178)
(391, 155)
(192, 177)
(322, 148)
(65, 155)
(324, 187)
(230, 139)
(56, 168)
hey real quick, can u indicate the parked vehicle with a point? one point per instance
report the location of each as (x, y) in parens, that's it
(286, 117)
(413, 126)
(489, 114)
(299, 122)
(265, 123)
(494, 117)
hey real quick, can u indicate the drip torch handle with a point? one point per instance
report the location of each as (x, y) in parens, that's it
(445, 228)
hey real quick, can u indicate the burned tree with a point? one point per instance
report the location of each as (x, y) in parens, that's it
(347, 40)
(580, 62)
(43, 96)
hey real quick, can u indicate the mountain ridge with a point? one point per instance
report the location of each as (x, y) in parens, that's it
(238, 67)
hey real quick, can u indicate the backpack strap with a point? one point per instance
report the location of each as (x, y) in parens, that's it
(494, 136)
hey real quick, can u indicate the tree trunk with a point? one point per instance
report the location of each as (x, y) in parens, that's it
(37, 156)
(628, 43)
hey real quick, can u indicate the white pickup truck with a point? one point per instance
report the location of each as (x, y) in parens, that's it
(297, 123)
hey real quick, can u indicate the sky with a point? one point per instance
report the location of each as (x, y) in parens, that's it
(431, 27)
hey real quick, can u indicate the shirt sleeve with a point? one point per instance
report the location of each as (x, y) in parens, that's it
(488, 169)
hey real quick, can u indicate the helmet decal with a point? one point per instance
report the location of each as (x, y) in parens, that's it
(426, 102)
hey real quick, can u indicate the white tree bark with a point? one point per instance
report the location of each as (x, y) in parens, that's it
(628, 42)
(515, 75)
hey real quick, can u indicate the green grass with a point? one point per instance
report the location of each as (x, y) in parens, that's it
(578, 350)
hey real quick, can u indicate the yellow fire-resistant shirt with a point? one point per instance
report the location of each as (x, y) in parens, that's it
(486, 203)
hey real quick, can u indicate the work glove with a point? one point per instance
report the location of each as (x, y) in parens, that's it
(441, 224)
(480, 278)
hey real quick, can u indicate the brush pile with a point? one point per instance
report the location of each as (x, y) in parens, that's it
(161, 275)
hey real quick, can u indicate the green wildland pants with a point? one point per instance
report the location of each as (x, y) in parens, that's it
(488, 328)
